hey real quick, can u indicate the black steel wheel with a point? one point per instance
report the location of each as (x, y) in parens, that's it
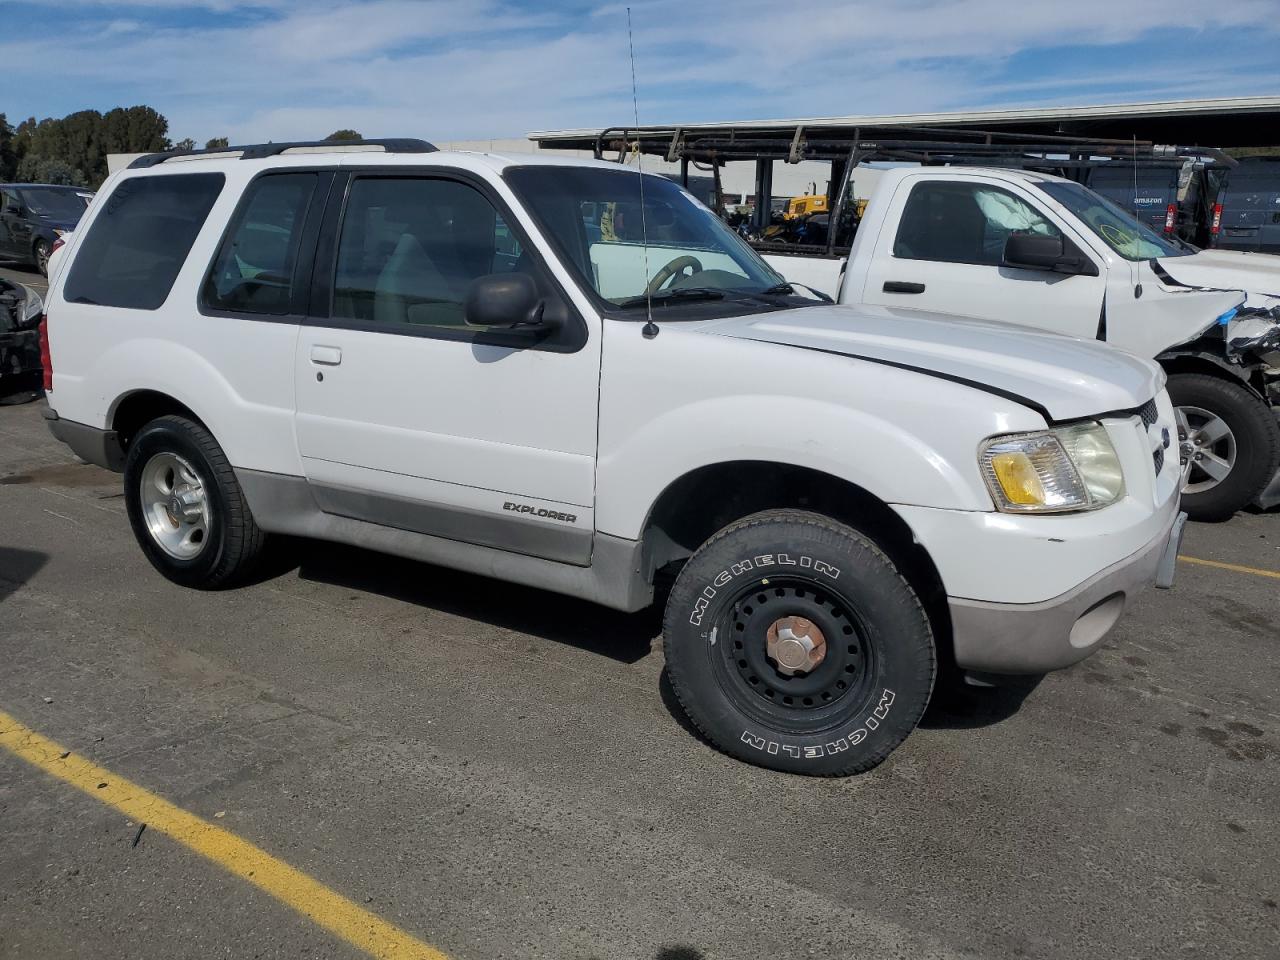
(798, 649)
(793, 642)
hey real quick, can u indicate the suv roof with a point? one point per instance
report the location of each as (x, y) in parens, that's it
(362, 152)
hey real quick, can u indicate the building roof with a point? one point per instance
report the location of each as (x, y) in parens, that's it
(1235, 122)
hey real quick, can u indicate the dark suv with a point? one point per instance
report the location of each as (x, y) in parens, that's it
(33, 216)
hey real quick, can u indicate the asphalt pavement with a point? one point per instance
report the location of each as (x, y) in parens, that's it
(24, 274)
(500, 772)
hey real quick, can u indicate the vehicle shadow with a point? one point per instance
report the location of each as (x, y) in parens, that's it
(17, 567)
(624, 637)
(957, 706)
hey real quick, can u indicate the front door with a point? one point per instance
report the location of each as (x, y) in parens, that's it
(946, 252)
(408, 418)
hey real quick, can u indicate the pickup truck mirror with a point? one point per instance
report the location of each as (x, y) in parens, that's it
(505, 301)
(1036, 251)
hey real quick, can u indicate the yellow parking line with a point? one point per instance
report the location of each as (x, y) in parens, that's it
(1234, 567)
(290, 886)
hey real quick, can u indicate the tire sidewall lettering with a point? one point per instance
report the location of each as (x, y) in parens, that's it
(702, 602)
(813, 751)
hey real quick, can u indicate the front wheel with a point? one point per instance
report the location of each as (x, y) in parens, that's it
(1229, 444)
(793, 642)
(186, 507)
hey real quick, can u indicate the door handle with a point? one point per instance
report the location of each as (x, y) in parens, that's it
(326, 356)
(902, 286)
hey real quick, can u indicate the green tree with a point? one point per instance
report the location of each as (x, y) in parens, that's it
(37, 169)
(340, 135)
(216, 143)
(134, 130)
(187, 144)
(8, 159)
(81, 141)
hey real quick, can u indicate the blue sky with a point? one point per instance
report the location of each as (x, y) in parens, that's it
(448, 69)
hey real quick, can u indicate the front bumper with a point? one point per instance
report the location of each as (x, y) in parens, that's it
(1038, 637)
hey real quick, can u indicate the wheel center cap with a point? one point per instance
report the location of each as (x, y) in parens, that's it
(795, 645)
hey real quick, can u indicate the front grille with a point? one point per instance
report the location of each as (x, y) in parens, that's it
(1148, 413)
(1158, 458)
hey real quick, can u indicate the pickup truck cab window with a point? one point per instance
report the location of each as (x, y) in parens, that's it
(1117, 229)
(964, 223)
(677, 253)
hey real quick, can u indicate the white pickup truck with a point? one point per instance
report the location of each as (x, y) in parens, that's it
(450, 357)
(1035, 250)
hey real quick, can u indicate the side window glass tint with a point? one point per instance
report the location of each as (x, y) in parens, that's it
(963, 223)
(254, 271)
(140, 239)
(409, 249)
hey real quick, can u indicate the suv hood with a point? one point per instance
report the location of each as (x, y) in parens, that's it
(1062, 377)
(1257, 274)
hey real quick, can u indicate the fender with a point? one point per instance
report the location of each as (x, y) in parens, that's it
(903, 436)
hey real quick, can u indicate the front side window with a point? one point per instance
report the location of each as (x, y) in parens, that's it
(673, 251)
(1118, 229)
(409, 249)
(255, 269)
(964, 223)
(140, 239)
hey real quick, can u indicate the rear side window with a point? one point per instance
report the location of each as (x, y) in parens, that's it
(138, 243)
(254, 271)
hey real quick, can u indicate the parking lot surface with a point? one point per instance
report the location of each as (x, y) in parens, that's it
(500, 772)
(24, 274)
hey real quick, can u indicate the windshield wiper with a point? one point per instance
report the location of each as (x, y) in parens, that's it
(665, 296)
(778, 290)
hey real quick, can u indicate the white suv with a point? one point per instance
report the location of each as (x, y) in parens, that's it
(450, 357)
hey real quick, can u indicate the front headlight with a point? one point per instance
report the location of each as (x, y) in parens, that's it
(1053, 471)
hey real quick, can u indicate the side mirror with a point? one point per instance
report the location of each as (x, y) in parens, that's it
(1036, 251)
(504, 301)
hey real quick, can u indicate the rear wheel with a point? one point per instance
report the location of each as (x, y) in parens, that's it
(1229, 444)
(793, 642)
(187, 510)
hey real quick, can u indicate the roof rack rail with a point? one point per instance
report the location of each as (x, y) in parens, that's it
(256, 151)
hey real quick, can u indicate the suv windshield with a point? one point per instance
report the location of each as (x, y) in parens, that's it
(53, 202)
(593, 216)
(1118, 230)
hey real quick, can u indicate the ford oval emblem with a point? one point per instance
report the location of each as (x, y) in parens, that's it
(1164, 436)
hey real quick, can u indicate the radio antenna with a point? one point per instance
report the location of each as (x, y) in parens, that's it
(650, 329)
